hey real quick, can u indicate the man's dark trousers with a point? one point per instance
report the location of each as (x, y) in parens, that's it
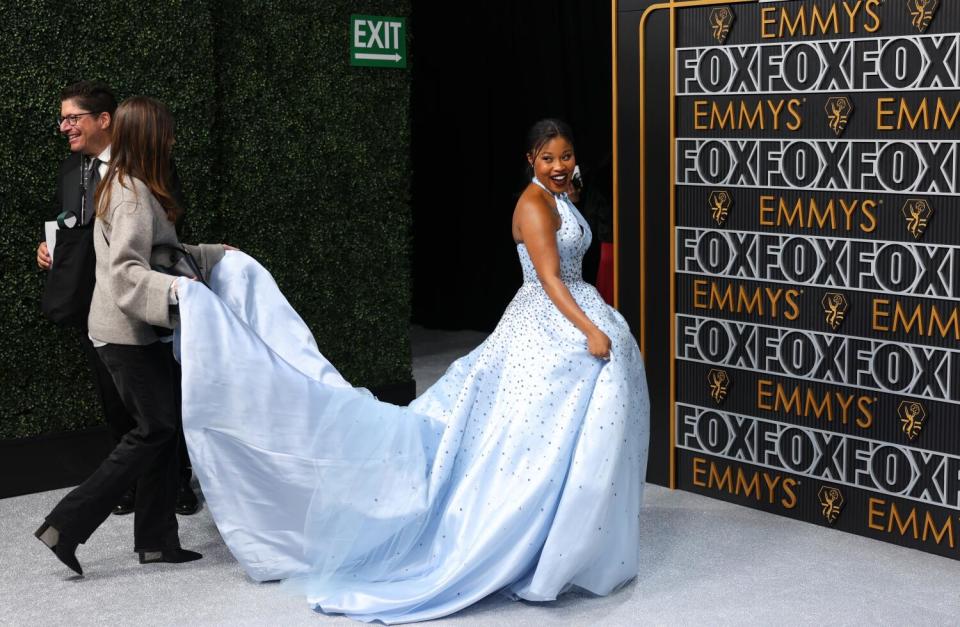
(144, 377)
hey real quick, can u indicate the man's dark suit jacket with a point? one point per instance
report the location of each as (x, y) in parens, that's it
(68, 198)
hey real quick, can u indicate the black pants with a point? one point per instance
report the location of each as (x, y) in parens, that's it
(117, 417)
(148, 454)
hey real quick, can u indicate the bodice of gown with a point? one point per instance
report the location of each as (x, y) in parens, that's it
(573, 240)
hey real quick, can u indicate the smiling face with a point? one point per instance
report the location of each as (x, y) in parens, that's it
(91, 134)
(553, 164)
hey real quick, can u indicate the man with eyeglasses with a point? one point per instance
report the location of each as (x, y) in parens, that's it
(86, 112)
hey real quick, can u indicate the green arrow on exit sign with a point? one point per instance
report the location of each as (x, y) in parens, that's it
(378, 41)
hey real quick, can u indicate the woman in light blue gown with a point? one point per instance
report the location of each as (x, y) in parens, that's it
(521, 470)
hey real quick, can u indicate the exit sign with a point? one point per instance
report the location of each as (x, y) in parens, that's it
(378, 41)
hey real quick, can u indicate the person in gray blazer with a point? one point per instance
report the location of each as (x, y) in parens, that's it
(86, 114)
(135, 216)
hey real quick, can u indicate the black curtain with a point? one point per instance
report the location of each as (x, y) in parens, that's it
(478, 85)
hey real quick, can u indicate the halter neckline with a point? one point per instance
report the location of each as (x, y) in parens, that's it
(560, 196)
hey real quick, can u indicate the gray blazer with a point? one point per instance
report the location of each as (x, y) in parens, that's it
(129, 298)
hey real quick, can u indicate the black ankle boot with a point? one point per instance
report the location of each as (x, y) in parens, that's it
(168, 556)
(187, 503)
(64, 549)
(127, 503)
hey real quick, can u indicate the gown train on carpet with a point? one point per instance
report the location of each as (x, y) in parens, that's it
(521, 469)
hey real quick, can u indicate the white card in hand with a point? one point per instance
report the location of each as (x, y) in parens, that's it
(50, 230)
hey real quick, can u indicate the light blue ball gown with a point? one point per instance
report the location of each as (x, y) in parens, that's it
(521, 470)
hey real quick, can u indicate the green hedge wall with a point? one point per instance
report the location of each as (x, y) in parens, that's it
(316, 175)
(284, 149)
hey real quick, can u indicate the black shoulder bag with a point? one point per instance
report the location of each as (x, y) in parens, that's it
(175, 261)
(69, 288)
(70, 280)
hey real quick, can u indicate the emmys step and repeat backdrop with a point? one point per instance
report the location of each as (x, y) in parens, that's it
(816, 262)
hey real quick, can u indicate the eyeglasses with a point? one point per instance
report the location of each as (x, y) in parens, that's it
(72, 119)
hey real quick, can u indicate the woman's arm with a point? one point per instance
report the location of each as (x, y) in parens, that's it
(538, 230)
(206, 255)
(139, 292)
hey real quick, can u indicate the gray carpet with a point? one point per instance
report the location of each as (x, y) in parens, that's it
(703, 562)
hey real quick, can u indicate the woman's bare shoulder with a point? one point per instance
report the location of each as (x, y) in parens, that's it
(534, 213)
(533, 203)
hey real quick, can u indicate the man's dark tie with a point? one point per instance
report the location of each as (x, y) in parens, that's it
(92, 178)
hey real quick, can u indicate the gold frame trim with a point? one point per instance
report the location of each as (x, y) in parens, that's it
(616, 158)
(672, 5)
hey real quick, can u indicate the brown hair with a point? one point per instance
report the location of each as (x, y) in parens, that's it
(93, 96)
(142, 140)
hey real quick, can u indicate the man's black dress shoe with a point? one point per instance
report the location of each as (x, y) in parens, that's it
(187, 503)
(63, 549)
(168, 556)
(127, 503)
